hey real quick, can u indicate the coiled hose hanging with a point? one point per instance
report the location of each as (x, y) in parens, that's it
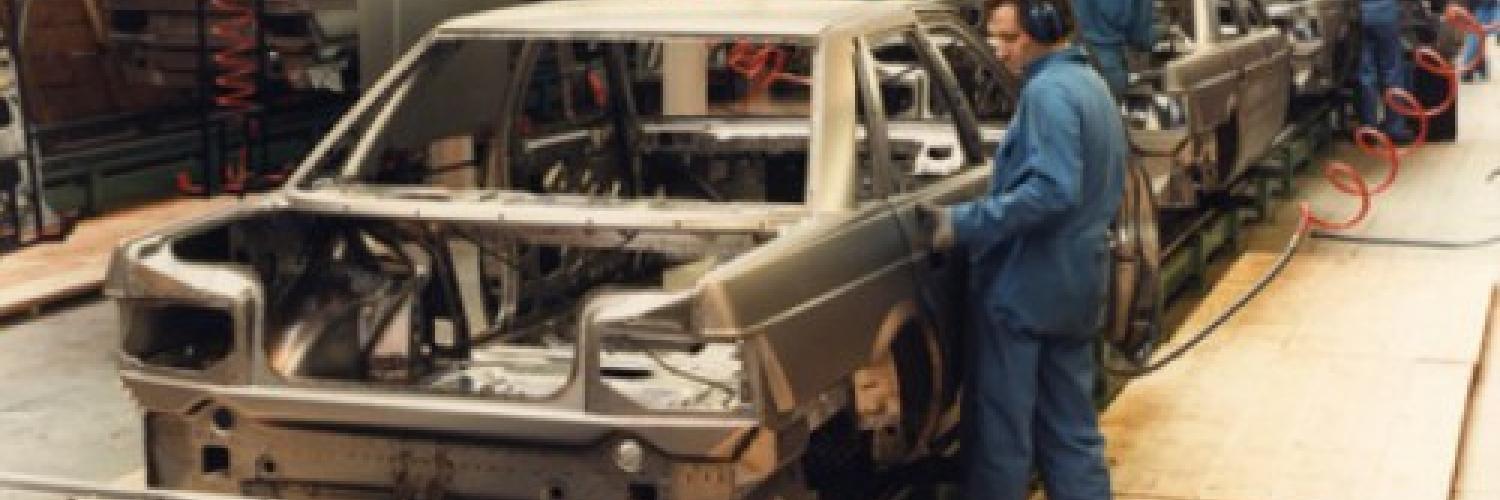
(1346, 179)
(232, 28)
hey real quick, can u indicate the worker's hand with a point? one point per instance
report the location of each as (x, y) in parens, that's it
(935, 225)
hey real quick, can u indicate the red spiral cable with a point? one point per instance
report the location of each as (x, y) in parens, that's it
(233, 25)
(1465, 21)
(235, 28)
(1373, 142)
(1333, 172)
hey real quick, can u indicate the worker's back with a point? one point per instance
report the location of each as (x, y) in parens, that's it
(1116, 22)
(1050, 277)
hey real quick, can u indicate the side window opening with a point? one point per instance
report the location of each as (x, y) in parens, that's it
(925, 137)
(990, 92)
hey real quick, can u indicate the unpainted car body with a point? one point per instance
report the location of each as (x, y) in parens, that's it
(553, 317)
(1211, 98)
(1324, 36)
(525, 265)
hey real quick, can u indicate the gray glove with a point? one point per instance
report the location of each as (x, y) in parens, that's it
(936, 225)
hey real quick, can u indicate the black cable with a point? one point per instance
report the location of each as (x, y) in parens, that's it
(1223, 317)
(1407, 242)
(684, 373)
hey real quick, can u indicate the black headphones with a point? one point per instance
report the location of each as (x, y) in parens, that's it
(1042, 20)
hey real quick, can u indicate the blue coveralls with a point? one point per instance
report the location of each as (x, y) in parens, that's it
(1382, 65)
(1037, 245)
(1108, 26)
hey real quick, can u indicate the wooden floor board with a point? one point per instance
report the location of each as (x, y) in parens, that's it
(1479, 457)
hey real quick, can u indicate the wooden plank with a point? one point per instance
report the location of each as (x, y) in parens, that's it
(1479, 456)
(45, 273)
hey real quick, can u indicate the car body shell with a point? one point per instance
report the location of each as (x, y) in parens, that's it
(821, 299)
(1212, 97)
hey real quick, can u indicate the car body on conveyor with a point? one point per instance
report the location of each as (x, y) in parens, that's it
(1324, 36)
(668, 250)
(1212, 96)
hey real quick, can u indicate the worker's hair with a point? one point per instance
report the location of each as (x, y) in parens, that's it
(1034, 16)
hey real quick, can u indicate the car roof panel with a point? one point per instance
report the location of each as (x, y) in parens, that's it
(678, 17)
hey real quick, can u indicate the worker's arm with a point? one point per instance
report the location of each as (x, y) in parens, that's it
(1048, 186)
(1142, 30)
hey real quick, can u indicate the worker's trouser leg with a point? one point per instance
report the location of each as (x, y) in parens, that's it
(1033, 397)
(1382, 65)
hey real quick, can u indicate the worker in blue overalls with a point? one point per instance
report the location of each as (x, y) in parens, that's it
(1382, 66)
(1038, 250)
(1108, 26)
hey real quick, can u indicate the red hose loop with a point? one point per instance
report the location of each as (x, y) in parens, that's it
(1465, 22)
(762, 64)
(1432, 62)
(1338, 173)
(233, 26)
(1375, 143)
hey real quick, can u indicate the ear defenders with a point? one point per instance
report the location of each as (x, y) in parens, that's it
(1041, 20)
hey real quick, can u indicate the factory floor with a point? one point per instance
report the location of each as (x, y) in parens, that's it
(1362, 373)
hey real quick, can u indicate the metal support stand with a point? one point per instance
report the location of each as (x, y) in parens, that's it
(209, 161)
(26, 164)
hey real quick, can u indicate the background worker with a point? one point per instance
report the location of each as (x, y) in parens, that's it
(1108, 26)
(1037, 245)
(1382, 66)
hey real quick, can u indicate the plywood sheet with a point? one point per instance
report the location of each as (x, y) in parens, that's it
(1479, 455)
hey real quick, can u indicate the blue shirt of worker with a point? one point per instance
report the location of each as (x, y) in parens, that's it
(1108, 26)
(1038, 250)
(1039, 239)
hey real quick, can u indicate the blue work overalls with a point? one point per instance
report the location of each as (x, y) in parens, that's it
(1108, 26)
(1382, 65)
(1037, 245)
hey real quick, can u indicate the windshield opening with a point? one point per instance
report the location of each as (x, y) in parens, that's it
(702, 118)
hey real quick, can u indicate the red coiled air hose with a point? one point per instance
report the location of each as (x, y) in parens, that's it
(232, 25)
